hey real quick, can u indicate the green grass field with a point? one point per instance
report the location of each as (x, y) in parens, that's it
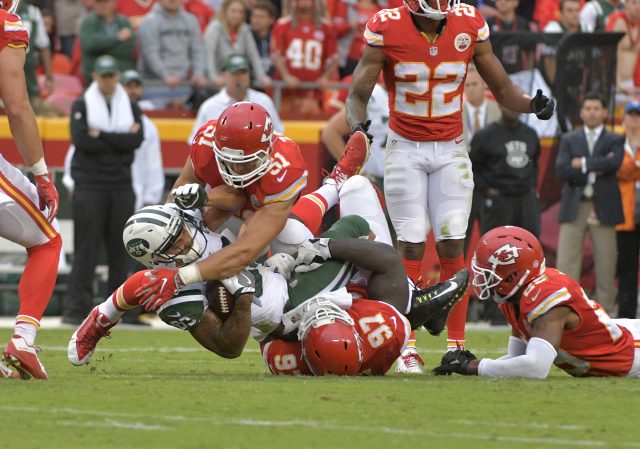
(157, 389)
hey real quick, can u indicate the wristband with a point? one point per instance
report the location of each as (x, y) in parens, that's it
(39, 168)
(190, 274)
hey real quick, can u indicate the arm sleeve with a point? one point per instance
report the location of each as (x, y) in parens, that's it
(211, 37)
(515, 348)
(534, 363)
(42, 39)
(94, 41)
(563, 165)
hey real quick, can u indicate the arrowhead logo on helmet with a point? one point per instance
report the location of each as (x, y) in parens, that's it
(505, 255)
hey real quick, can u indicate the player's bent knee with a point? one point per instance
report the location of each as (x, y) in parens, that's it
(453, 226)
(291, 236)
(53, 246)
(358, 184)
(412, 231)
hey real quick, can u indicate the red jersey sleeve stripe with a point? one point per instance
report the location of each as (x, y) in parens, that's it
(289, 193)
(547, 304)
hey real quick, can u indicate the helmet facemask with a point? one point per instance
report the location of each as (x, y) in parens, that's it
(438, 11)
(189, 252)
(11, 6)
(225, 156)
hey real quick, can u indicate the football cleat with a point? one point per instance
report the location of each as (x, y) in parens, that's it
(356, 153)
(86, 337)
(409, 362)
(434, 304)
(24, 358)
(7, 373)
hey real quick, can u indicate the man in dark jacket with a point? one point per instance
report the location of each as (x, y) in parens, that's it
(106, 129)
(588, 159)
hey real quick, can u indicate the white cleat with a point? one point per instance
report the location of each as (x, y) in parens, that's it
(409, 362)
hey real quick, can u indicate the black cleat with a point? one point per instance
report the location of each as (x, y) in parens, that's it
(431, 307)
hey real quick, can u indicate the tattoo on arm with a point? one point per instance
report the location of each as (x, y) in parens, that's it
(364, 80)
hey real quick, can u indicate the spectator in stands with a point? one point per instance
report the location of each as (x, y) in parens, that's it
(104, 32)
(171, 53)
(263, 16)
(236, 88)
(38, 54)
(304, 48)
(628, 70)
(228, 35)
(628, 233)
(349, 19)
(135, 10)
(595, 14)
(67, 13)
(514, 57)
(568, 22)
(106, 129)
(201, 11)
(477, 112)
(588, 159)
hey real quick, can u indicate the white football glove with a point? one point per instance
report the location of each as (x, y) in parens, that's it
(190, 196)
(281, 263)
(241, 283)
(312, 254)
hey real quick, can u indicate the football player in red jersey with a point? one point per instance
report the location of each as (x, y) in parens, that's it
(423, 49)
(241, 150)
(365, 339)
(553, 321)
(27, 211)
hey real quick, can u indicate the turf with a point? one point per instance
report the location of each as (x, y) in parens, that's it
(157, 389)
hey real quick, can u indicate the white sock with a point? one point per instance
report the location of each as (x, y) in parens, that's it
(27, 331)
(329, 192)
(109, 310)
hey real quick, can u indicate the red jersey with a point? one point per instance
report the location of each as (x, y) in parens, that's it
(383, 331)
(426, 80)
(133, 8)
(284, 181)
(307, 49)
(13, 33)
(596, 347)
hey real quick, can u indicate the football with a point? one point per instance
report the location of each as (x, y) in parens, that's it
(221, 302)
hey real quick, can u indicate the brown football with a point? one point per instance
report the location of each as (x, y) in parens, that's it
(220, 300)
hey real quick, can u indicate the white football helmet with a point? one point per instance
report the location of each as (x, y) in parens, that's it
(152, 231)
(438, 11)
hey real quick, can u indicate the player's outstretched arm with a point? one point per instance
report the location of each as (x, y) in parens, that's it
(364, 80)
(541, 350)
(229, 338)
(505, 92)
(259, 231)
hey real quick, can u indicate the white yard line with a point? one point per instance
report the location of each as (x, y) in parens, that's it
(248, 422)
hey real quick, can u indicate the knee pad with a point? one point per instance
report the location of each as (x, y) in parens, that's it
(413, 230)
(291, 236)
(452, 226)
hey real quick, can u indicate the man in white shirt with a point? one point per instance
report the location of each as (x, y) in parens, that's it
(237, 79)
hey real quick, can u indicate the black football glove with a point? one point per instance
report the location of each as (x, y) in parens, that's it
(190, 196)
(364, 127)
(542, 106)
(455, 362)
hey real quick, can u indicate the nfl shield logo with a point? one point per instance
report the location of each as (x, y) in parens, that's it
(433, 51)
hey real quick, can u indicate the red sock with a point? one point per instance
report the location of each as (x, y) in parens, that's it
(38, 280)
(310, 209)
(412, 267)
(458, 317)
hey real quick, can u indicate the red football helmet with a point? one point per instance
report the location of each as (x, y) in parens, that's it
(10, 5)
(242, 143)
(330, 343)
(433, 9)
(506, 259)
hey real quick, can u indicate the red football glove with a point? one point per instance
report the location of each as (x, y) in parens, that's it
(157, 287)
(48, 194)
